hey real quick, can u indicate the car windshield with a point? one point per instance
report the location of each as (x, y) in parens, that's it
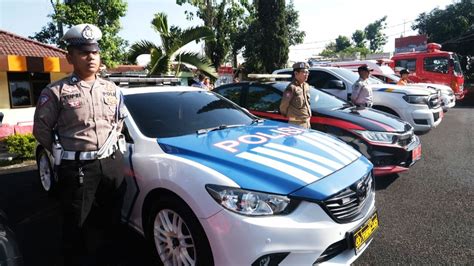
(374, 80)
(347, 74)
(171, 114)
(322, 100)
(393, 77)
(352, 77)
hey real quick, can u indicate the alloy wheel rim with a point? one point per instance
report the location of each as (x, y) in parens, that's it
(45, 172)
(173, 239)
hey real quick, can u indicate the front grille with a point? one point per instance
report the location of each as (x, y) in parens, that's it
(332, 251)
(434, 101)
(436, 116)
(347, 205)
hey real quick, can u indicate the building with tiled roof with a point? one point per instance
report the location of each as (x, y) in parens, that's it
(26, 67)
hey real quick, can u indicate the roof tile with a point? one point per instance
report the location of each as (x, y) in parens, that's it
(12, 44)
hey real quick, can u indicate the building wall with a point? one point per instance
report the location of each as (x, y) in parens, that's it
(17, 116)
(4, 97)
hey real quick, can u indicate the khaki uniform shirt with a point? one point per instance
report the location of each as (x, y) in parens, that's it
(83, 115)
(361, 92)
(295, 103)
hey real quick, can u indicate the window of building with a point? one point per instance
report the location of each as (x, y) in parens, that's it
(25, 87)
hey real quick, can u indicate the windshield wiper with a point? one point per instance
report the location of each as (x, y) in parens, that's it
(345, 105)
(257, 121)
(207, 130)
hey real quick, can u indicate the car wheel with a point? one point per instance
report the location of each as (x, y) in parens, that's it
(45, 172)
(176, 235)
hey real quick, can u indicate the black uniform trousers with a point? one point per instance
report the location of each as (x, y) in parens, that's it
(91, 208)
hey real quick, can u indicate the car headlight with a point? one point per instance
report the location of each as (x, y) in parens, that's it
(380, 137)
(251, 203)
(416, 99)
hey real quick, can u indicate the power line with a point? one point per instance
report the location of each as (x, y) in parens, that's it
(388, 27)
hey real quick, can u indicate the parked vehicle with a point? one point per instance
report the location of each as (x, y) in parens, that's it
(382, 71)
(206, 178)
(418, 106)
(432, 66)
(9, 251)
(389, 143)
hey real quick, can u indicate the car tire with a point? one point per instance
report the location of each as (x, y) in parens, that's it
(176, 243)
(46, 175)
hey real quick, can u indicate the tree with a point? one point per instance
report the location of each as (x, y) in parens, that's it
(444, 26)
(224, 18)
(329, 50)
(342, 42)
(267, 42)
(373, 32)
(359, 38)
(292, 20)
(172, 39)
(231, 20)
(105, 14)
(453, 28)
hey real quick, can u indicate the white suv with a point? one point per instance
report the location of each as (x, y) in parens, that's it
(421, 107)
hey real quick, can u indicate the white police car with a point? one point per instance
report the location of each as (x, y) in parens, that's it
(208, 183)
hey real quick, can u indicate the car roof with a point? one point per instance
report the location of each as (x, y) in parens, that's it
(158, 89)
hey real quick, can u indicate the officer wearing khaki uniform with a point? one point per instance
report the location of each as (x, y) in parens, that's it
(295, 103)
(87, 113)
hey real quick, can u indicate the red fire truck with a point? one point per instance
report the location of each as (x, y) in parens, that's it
(431, 65)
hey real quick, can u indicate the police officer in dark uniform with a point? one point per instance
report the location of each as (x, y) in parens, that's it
(295, 103)
(86, 113)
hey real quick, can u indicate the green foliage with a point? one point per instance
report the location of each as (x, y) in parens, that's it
(172, 39)
(359, 38)
(234, 24)
(292, 20)
(449, 25)
(268, 37)
(226, 19)
(453, 28)
(329, 50)
(373, 32)
(342, 42)
(351, 51)
(105, 14)
(22, 145)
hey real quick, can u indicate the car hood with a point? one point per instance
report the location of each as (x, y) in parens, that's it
(270, 157)
(443, 88)
(365, 118)
(409, 90)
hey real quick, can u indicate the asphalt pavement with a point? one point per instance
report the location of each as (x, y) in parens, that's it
(426, 214)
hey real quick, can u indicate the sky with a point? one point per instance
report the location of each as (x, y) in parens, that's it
(322, 20)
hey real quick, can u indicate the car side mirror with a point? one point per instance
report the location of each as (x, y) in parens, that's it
(335, 84)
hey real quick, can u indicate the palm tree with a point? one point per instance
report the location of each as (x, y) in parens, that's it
(172, 39)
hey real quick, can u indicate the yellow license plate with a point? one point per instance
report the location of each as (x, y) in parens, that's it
(365, 232)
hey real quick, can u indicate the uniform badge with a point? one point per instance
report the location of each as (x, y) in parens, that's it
(74, 79)
(112, 100)
(88, 33)
(42, 100)
(67, 89)
(288, 94)
(74, 104)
